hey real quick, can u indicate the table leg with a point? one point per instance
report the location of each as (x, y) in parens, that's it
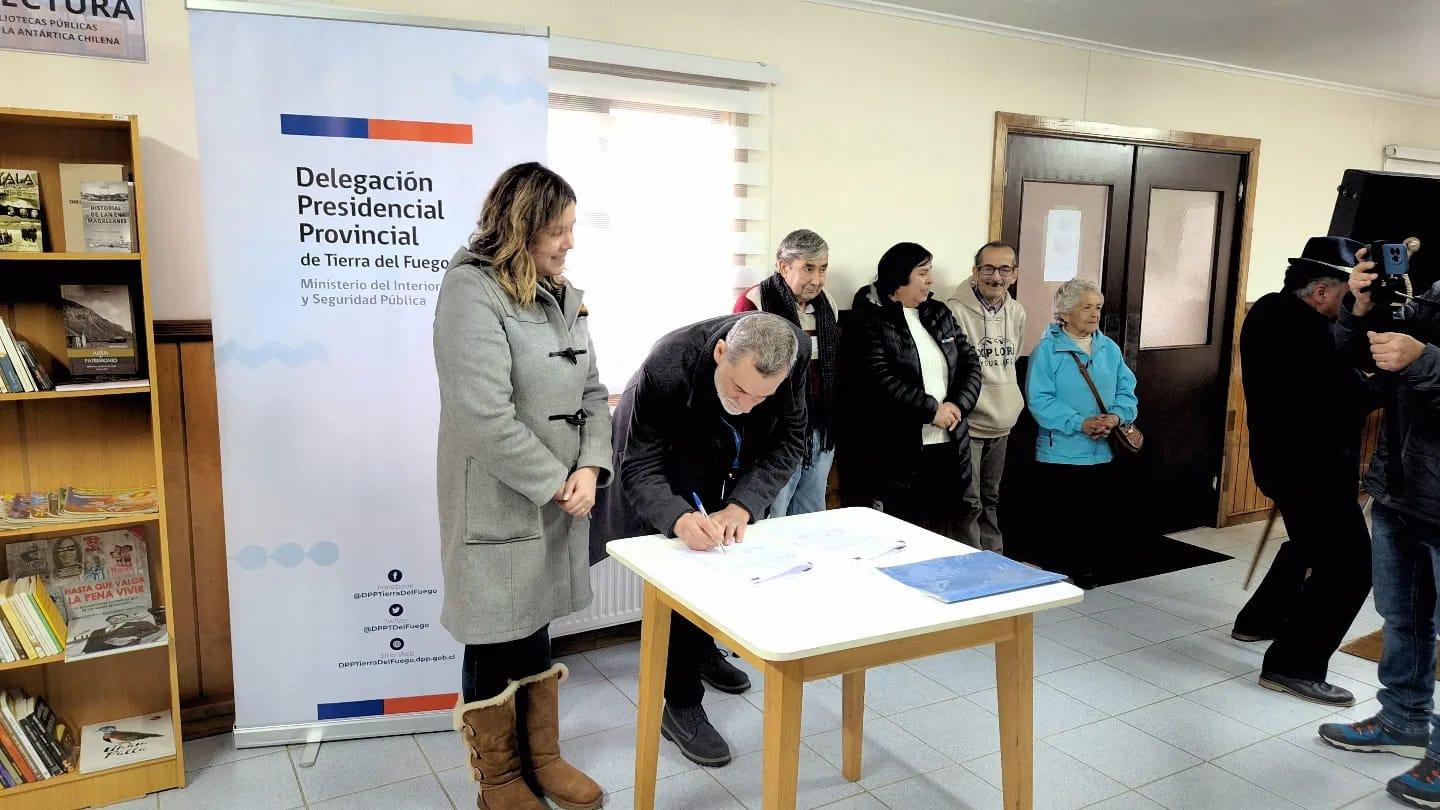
(853, 714)
(1014, 675)
(654, 651)
(780, 772)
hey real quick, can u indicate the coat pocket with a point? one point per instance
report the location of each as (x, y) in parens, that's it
(495, 513)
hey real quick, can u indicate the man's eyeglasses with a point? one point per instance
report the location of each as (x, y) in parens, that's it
(990, 270)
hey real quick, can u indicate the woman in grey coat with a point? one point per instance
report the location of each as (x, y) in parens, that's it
(524, 442)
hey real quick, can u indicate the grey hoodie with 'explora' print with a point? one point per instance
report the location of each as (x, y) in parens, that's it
(996, 337)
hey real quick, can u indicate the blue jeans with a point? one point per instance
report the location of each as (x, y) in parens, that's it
(1405, 555)
(805, 491)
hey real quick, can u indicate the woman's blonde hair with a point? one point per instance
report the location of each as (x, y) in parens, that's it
(525, 199)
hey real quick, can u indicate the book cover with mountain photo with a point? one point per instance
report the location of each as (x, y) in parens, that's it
(99, 331)
(20, 229)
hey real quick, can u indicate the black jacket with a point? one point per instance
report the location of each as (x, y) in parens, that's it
(1405, 470)
(1298, 391)
(884, 404)
(671, 438)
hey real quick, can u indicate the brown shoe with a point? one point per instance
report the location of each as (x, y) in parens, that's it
(488, 730)
(561, 782)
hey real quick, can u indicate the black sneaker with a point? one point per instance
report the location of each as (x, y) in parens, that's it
(717, 671)
(689, 728)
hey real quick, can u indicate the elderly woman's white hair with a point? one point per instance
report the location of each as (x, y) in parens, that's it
(1070, 294)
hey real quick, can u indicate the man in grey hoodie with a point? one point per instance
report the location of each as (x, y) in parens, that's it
(994, 322)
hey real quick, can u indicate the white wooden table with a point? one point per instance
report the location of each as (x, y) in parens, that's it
(841, 618)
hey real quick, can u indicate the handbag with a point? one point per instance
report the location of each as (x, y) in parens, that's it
(1126, 437)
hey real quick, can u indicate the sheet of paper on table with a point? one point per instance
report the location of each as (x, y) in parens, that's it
(751, 562)
(847, 544)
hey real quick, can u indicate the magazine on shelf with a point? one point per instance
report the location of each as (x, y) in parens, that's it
(115, 743)
(20, 228)
(99, 331)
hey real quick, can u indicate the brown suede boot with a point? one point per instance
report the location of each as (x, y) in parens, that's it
(561, 782)
(488, 730)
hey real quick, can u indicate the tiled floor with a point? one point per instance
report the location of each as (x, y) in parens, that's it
(1142, 700)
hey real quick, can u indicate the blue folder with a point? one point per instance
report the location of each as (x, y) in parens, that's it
(969, 576)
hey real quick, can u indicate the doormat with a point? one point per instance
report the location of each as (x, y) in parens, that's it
(1158, 555)
(1368, 647)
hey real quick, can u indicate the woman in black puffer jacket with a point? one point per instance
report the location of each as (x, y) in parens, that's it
(909, 379)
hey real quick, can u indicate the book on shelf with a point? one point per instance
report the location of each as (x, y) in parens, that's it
(35, 743)
(20, 224)
(116, 743)
(108, 216)
(109, 385)
(101, 635)
(72, 177)
(93, 574)
(13, 363)
(99, 331)
(32, 362)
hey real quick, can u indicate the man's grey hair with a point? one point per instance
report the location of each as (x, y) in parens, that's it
(1305, 293)
(767, 339)
(1070, 294)
(802, 244)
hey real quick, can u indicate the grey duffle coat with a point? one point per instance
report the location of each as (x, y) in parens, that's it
(521, 407)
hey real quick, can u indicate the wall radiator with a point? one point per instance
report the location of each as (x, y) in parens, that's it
(617, 600)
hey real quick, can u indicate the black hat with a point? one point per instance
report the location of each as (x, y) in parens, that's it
(1323, 257)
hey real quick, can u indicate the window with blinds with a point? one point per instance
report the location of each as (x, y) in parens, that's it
(671, 176)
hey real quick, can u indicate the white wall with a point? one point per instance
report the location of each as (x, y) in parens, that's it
(883, 128)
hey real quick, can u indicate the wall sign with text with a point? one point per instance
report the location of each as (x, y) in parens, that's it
(109, 29)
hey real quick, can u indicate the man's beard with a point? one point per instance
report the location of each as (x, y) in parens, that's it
(730, 407)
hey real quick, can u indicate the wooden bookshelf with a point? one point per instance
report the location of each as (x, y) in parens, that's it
(102, 439)
(61, 529)
(99, 392)
(69, 257)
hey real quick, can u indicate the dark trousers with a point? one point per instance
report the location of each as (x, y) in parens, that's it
(934, 499)
(1081, 525)
(1309, 615)
(689, 647)
(489, 668)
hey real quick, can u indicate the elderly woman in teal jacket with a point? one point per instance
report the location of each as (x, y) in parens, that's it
(1072, 447)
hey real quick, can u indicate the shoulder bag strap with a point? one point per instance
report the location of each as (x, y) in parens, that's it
(1086, 374)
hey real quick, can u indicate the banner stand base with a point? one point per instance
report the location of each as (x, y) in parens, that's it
(353, 729)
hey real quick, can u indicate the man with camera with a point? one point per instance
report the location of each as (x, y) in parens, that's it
(1404, 480)
(1306, 406)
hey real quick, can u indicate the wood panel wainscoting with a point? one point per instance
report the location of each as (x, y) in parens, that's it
(190, 444)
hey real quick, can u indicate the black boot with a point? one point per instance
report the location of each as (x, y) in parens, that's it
(689, 728)
(716, 670)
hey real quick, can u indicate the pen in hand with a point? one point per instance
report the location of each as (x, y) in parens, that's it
(695, 496)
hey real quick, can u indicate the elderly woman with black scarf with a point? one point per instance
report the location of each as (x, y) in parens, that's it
(796, 292)
(909, 379)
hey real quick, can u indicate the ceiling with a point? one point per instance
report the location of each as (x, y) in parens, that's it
(1388, 46)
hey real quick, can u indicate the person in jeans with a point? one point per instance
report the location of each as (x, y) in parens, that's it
(911, 380)
(1305, 459)
(995, 324)
(796, 292)
(1076, 468)
(716, 412)
(524, 443)
(1404, 481)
